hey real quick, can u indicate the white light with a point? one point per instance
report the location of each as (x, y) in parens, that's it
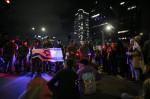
(39, 36)
(54, 37)
(43, 29)
(132, 7)
(122, 3)
(108, 27)
(33, 28)
(124, 31)
(141, 33)
(7, 1)
(95, 16)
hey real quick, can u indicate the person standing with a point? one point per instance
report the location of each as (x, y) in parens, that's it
(47, 44)
(9, 51)
(22, 52)
(59, 64)
(71, 49)
(84, 50)
(134, 60)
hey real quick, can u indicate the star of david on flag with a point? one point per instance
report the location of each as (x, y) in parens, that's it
(48, 54)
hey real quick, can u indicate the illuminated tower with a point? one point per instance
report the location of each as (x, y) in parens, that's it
(81, 26)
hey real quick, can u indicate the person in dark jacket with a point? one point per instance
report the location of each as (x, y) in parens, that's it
(22, 54)
(66, 88)
(9, 51)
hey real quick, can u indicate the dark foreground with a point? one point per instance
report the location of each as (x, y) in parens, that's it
(25, 86)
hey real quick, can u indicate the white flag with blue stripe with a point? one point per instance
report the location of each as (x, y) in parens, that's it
(48, 54)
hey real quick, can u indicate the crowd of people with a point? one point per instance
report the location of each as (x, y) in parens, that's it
(83, 62)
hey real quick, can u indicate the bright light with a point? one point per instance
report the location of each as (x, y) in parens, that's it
(122, 3)
(141, 33)
(95, 15)
(108, 27)
(7, 1)
(124, 31)
(39, 36)
(33, 28)
(43, 29)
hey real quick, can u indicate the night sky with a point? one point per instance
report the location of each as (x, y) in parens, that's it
(57, 16)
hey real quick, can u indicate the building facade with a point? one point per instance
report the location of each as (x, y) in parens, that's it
(123, 15)
(81, 26)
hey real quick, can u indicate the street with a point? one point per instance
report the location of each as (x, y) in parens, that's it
(25, 86)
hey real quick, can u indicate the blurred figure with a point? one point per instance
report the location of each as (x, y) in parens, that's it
(22, 52)
(59, 64)
(134, 60)
(9, 51)
(84, 50)
(66, 88)
(104, 58)
(91, 50)
(36, 62)
(87, 78)
(112, 61)
(97, 56)
(121, 59)
(17, 41)
(146, 51)
(47, 44)
(71, 50)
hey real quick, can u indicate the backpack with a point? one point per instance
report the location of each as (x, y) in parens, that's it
(89, 83)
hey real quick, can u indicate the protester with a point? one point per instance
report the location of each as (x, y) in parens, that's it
(87, 78)
(134, 60)
(9, 51)
(22, 52)
(66, 88)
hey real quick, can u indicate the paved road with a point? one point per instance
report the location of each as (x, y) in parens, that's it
(24, 86)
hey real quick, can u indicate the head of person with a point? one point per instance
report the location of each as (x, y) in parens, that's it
(71, 43)
(104, 46)
(146, 89)
(25, 43)
(84, 61)
(12, 40)
(69, 63)
(138, 38)
(132, 41)
(84, 43)
(47, 39)
(17, 38)
(59, 42)
(97, 48)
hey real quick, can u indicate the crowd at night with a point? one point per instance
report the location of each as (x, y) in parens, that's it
(74, 50)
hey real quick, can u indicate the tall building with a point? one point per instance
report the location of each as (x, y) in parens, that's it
(101, 15)
(123, 15)
(128, 19)
(81, 26)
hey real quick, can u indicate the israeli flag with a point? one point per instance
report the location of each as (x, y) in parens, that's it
(48, 54)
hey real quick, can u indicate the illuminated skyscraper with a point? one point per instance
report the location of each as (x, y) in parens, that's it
(81, 26)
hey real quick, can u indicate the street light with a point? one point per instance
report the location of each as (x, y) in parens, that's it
(38, 30)
(43, 29)
(108, 28)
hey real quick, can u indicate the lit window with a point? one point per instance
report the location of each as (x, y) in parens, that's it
(122, 3)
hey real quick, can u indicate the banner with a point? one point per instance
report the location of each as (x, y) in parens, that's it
(48, 54)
